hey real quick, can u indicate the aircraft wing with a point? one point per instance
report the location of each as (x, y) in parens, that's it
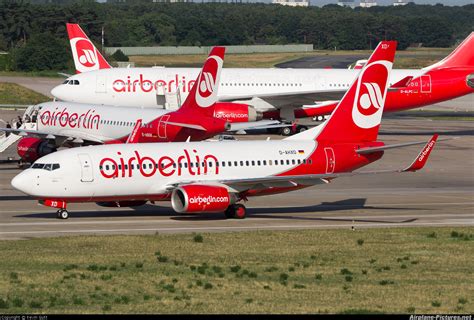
(257, 125)
(48, 135)
(239, 185)
(286, 99)
(186, 125)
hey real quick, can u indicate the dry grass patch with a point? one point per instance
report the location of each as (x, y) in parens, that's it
(244, 272)
(12, 93)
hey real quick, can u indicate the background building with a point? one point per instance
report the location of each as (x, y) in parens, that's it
(346, 3)
(401, 2)
(292, 3)
(368, 3)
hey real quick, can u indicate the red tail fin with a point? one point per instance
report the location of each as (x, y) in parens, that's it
(357, 116)
(462, 56)
(85, 54)
(203, 94)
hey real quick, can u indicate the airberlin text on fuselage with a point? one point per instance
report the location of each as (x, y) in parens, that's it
(74, 120)
(145, 85)
(189, 161)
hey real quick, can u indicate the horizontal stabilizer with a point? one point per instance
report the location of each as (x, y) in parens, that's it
(393, 146)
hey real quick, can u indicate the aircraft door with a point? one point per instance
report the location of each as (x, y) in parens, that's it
(87, 174)
(162, 126)
(330, 160)
(425, 84)
(101, 84)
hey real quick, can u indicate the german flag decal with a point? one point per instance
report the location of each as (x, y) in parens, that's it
(300, 151)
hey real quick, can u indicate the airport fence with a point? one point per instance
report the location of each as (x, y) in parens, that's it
(183, 50)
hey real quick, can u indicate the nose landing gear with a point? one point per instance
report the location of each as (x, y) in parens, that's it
(62, 214)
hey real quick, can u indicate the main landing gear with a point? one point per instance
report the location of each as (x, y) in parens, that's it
(236, 211)
(288, 131)
(62, 214)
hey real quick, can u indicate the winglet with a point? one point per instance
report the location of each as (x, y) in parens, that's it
(134, 137)
(422, 157)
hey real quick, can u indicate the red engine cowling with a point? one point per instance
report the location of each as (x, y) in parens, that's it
(201, 198)
(31, 149)
(236, 112)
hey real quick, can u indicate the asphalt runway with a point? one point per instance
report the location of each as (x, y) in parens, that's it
(440, 195)
(327, 61)
(41, 85)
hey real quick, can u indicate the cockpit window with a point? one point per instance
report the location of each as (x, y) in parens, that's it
(76, 82)
(66, 82)
(46, 166)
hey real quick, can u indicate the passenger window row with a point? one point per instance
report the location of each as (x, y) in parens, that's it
(210, 164)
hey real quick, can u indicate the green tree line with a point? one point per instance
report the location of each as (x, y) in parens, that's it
(144, 23)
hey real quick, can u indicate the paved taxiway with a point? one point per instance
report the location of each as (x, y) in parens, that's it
(441, 194)
(41, 85)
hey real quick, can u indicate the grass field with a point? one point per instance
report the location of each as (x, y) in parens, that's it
(411, 270)
(12, 93)
(410, 59)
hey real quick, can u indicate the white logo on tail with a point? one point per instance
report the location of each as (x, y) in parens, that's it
(87, 57)
(84, 54)
(207, 83)
(373, 97)
(368, 104)
(206, 93)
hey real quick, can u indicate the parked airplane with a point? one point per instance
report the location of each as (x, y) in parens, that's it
(71, 124)
(285, 94)
(212, 176)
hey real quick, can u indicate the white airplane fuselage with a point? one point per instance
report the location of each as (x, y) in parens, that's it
(145, 171)
(93, 122)
(139, 86)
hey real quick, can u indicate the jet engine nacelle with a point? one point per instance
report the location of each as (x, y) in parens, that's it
(120, 204)
(236, 112)
(31, 149)
(201, 198)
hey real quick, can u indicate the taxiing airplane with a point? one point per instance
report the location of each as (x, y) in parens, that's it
(68, 124)
(285, 94)
(215, 176)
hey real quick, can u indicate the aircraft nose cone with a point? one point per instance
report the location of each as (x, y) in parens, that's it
(57, 91)
(22, 182)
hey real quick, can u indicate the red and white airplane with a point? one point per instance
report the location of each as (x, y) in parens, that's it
(285, 94)
(214, 176)
(68, 124)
